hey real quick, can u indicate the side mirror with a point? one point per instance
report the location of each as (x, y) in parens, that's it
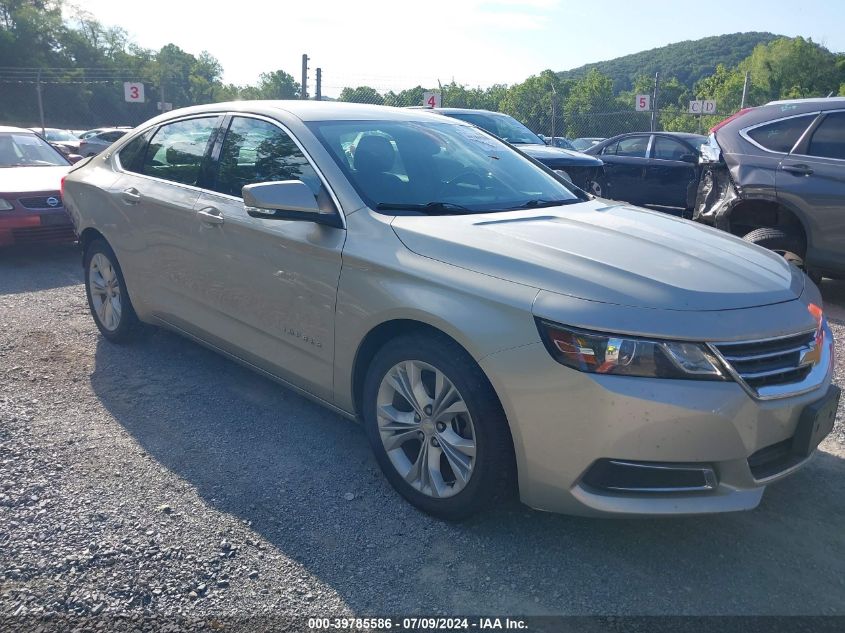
(73, 158)
(689, 158)
(286, 200)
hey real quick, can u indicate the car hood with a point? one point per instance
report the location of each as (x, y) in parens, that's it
(610, 253)
(556, 156)
(27, 179)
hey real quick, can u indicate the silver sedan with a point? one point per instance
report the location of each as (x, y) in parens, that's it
(493, 327)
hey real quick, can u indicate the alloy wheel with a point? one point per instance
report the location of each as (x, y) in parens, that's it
(105, 291)
(426, 429)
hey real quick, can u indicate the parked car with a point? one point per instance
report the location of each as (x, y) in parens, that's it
(582, 144)
(488, 323)
(655, 168)
(97, 130)
(62, 140)
(31, 207)
(576, 167)
(95, 143)
(775, 175)
(558, 141)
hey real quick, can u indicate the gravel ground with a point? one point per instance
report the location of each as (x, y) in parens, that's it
(161, 479)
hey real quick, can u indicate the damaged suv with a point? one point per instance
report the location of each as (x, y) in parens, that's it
(775, 175)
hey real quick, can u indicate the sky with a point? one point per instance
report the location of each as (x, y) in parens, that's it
(394, 45)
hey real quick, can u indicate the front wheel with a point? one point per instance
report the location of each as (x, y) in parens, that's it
(598, 187)
(436, 426)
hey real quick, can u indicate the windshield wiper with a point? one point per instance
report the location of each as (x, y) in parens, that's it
(537, 204)
(431, 208)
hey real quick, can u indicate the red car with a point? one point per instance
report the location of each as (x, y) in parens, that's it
(31, 208)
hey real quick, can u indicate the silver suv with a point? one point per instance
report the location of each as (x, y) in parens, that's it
(489, 324)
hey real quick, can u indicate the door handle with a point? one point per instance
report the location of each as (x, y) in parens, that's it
(798, 170)
(210, 215)
(131, 195)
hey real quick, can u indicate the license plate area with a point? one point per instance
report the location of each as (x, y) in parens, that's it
(816, 422)
(54, 219)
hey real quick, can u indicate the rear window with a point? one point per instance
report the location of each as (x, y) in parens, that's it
(781, 136)
(829, 138)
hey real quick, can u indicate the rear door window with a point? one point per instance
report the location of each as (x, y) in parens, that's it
(781, 136)
(828, 140)
(177, 149)
(669, 149)
(131, 155)
(633, 147)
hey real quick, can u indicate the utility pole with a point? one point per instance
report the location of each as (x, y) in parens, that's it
(303, 93)
(318, 86)
(654, 102)
(554, 112)
(161, 86)
(744, 90)
(40, 102)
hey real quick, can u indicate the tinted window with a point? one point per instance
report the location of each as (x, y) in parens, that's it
(257, 151)
(176, 150)
(829, 138)
(501, 125)
(131, 155)
(610, 150)
(781, 136)
(634, 146)
(669, 149)
(111, 137)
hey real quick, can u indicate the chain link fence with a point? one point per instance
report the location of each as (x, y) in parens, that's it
(80, 99)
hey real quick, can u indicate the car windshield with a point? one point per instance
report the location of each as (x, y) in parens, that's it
(27, 150)
(437, 167)
(502, 125)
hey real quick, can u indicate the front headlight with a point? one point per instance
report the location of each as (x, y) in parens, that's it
(620, 355)
(5, 205)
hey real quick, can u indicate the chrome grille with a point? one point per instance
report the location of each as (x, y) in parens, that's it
(775, 362)
(40, 202)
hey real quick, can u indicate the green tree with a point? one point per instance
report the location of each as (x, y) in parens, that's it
(531, 101)
(790, 68)
(361, 94)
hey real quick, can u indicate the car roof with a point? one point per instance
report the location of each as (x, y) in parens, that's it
(16, 130)
(467, 111)
(779, 110)
(305, 111)
(833, 102)
(682, 135)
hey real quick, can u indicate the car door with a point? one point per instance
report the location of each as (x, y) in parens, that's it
(272, 283)
(157, 191)
(812, 179)
(672, 173)
(625, 163)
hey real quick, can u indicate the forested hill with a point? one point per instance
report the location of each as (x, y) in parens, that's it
(687, 61)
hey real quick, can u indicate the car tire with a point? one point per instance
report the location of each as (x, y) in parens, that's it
(792, 247)
(108, 299)
(598, 187)
(489, 472)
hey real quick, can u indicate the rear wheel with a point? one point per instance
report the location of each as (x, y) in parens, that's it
(107, 297)
(436, 427)
(790, 246)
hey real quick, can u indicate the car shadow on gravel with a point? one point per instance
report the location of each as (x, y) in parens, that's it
(305, 479)
(33, 268)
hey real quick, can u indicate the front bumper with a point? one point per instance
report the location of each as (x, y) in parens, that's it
(29, 227)
(563, 421)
